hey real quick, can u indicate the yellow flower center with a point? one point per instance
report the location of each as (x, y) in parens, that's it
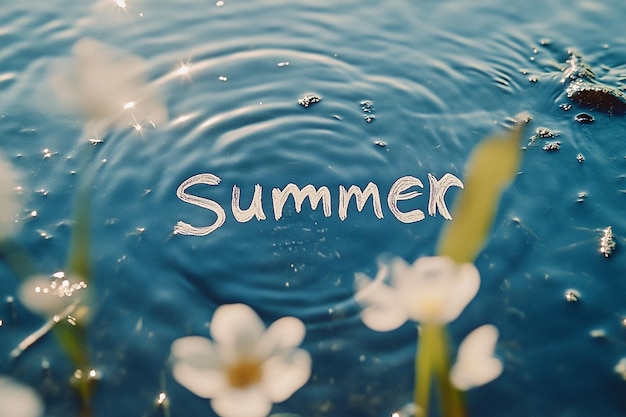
(244, 373)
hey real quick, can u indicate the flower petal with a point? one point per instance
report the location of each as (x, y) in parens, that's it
(434, 289)
(198, 367)
(237, 328)
(196, 351)
(108, 85)
(466, 288)
(204, 382)
(40, 295)
(475, 363)
(285, 374)
(251, 402)
(18, 400)
(382, 312)
(284, 333)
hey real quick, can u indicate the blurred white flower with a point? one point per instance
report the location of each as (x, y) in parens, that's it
(18, 400)
(245, 368)
(9, 196)
(109, 87)
(433, 290)
(475, 364)
(50, 296)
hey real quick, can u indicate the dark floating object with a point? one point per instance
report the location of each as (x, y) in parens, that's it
(597, 96)
(309, 99)
(552, 146)
(584, 118)
(584, 90)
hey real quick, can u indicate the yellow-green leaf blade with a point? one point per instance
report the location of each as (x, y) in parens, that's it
(492, 166)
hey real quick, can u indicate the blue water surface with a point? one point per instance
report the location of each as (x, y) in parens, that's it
(406, 88)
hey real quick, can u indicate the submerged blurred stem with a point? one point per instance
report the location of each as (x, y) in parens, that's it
(72, 336)
(432, 361)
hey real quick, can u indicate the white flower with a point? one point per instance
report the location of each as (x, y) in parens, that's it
(433, 290)
(245, 368)
(109, 87)
(50, 296)
(9, 196)
(475, 364)
(18, 400)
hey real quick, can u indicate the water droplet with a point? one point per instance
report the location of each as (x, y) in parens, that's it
(161, 398)
(572, 296)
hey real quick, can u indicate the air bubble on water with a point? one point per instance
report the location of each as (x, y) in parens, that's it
(552, 146)
(584, 118)
(309, 99)
(607, 242)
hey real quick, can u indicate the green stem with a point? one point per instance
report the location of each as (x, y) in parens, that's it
(432, 361)
(424, 369)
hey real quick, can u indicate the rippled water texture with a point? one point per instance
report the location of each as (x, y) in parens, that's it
(405, 88)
